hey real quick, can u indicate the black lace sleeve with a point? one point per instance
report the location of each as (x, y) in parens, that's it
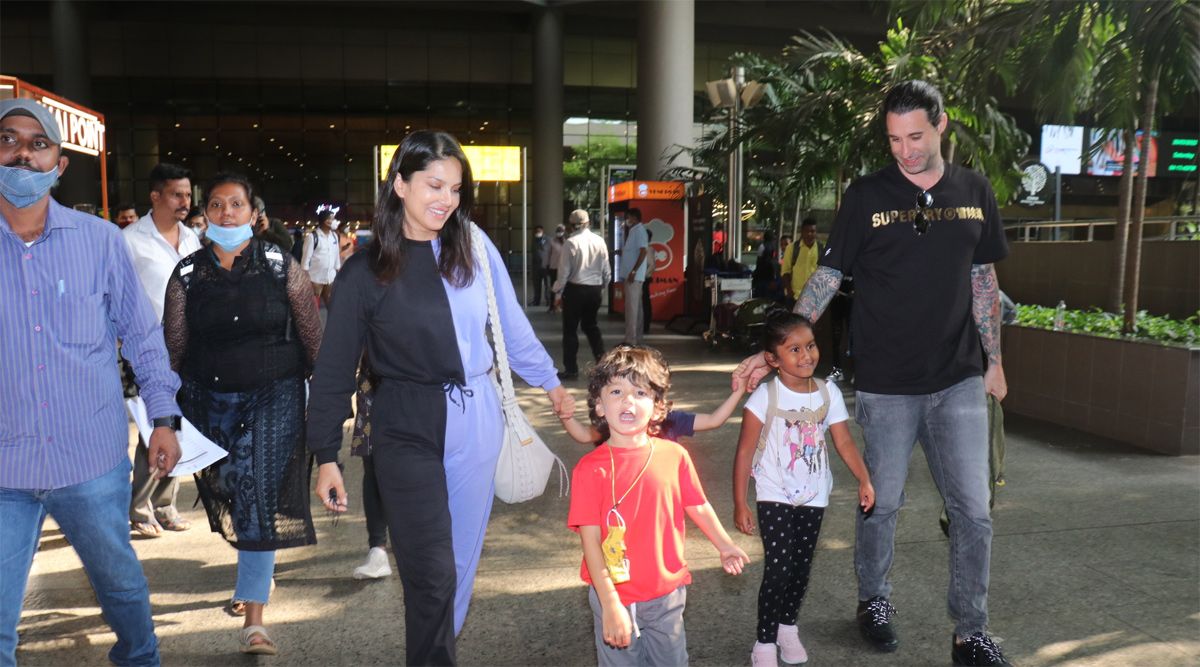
(175, 331)
(304, 310)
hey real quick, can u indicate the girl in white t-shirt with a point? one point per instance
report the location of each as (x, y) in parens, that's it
(783, 445)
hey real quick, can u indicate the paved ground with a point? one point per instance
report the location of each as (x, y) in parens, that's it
(1096, 561)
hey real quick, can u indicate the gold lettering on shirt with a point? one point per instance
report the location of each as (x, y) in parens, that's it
(948, 213)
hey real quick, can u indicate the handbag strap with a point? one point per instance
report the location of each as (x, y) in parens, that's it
(504, 374)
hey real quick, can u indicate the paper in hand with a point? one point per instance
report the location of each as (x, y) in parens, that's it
(196, 452)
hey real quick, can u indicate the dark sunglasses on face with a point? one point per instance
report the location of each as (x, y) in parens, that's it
(921, 221)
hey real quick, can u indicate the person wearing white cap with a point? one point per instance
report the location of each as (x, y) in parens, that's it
(70, 290)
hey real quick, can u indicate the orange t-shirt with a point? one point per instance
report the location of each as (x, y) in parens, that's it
(653, 512)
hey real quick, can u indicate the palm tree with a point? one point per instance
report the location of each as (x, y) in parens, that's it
(1109, 57)
(820, 125)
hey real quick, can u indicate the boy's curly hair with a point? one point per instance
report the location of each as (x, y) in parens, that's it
(642, 366)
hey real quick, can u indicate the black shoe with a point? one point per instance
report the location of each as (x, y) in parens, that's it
(875, 622)
(978, 649)
(568, 376)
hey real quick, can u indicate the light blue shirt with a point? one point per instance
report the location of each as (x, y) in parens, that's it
(636, 240)
(66, 299)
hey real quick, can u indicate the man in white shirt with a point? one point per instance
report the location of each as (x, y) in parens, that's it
(322, 255)
(583, 273)
(157, 241)
(633, 273)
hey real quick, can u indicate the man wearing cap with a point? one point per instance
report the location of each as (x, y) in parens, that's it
(70, 290)
(157, 242)
(583, 273)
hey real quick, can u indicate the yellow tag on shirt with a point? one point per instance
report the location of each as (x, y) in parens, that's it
(613, 547)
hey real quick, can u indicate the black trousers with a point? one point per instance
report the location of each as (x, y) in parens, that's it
(538, 277)
(407, 445)
(839, 317)
(789, 535)
(580, 305)
(373, 505)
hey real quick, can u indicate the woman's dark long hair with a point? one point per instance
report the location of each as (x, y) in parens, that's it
(386, 251)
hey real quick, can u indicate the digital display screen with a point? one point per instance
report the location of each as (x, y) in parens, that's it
(1109, 158)
(1179, 154)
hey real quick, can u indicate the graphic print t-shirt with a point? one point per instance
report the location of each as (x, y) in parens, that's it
(794, 466)
(913, 328)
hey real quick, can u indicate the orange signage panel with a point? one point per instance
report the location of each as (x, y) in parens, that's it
(645, 190)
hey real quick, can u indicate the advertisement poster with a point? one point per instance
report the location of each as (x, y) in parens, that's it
(664, 219)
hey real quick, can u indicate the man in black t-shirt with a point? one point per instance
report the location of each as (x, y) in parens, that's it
(920, 237)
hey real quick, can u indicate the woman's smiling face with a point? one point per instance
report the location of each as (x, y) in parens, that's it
(430, 197)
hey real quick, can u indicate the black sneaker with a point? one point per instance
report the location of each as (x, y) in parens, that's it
(875, 622)
(978, 649)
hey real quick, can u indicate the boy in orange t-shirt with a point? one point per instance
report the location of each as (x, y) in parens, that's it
(630, 497)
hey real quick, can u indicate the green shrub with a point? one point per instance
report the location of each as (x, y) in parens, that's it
(1099, 323)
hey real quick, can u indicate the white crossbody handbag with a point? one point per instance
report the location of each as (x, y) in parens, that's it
(526, 463)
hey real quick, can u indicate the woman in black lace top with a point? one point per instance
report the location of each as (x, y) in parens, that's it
(243, 333)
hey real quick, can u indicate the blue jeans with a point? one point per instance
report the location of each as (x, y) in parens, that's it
(254, 572)
(952, 427)
(94, 517)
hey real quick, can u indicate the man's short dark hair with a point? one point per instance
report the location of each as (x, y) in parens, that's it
(165, 171)
(123, 207)
(915, 95)
(635, 213)
(808, 222)
(324, 215)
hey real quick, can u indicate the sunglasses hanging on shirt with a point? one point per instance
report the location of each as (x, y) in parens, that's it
(921, 221)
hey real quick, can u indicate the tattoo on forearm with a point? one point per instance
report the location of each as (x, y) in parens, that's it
(985, 307)
(818, 292)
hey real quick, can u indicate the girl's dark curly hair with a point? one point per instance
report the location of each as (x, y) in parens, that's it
(643, 367)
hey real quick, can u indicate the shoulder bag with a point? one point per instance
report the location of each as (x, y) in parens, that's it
(525, 461)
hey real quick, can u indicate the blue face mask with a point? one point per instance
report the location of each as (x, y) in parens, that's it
(229, 238)
(22, 187)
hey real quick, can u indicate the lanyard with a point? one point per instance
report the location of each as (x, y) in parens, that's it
(617, 502)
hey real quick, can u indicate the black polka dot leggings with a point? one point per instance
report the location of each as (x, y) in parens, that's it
(789, 535)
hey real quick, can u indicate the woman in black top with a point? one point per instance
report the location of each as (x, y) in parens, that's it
(416, 302)
(243, 333)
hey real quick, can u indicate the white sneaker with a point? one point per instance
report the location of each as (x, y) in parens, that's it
(763, 655)
(376, 565)
(790, 648)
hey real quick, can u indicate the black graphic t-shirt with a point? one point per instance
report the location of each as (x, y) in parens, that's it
(913, 328)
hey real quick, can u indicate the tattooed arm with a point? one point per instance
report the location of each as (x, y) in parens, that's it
(822, 285)
(985, 307)
(814, 299)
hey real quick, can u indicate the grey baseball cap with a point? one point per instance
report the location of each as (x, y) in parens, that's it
(21, 106)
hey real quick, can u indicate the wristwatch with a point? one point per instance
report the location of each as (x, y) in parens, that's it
(174, 422)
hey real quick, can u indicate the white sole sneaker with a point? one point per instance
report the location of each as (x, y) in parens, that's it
(376, 566)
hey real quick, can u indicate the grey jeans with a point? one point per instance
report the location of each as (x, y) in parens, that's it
(952, 427)
(658, 637)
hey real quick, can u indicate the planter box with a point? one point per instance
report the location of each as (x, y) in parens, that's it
(1145, 394)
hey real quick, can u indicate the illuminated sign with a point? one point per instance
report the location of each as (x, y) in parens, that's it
(1062, 147)
(1109, 159)
(1179, 154)
(81, 131)
(645, 190)
(488, 163)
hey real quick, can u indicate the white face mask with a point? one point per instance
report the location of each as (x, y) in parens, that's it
(333, 224)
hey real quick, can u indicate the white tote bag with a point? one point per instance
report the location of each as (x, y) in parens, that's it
(526, 463)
